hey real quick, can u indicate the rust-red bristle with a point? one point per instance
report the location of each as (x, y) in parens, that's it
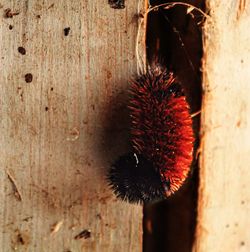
(162, 126)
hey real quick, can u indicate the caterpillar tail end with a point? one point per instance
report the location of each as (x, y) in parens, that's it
(134, 179)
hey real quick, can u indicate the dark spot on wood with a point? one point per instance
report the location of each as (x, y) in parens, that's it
(51, 6)
(28, 77)
(38, 16)
(66, 31)
(140, 15)
(22, 238)
(84, 234)
(227, 226)
(99, 216)
(21, 50)
(28, 218)
(242, 202)
(46, 108)
(238, 123)
(51, 89)
(135, 18)
(9, 14)
(109, 75)
(21, 96)
(242, 243)
(117, 4)
(10, 27)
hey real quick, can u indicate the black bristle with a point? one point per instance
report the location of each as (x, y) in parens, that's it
(133, 178)
(176, 90)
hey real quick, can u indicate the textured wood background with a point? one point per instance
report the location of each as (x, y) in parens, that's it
(224, 195)
(61, 131)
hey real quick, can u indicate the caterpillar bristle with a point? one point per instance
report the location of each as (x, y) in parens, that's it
(162, 139)
(134, 179)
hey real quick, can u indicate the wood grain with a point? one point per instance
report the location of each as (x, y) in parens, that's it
(61, 131)
(224, 195)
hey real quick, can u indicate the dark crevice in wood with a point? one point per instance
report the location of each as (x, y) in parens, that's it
(174, 39)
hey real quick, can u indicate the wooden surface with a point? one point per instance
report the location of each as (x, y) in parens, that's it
(224, 195)
(61, 131)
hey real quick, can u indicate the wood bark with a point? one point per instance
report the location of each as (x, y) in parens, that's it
(65, 67)
(224, 195)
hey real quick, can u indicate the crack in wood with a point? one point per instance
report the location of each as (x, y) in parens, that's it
(241, 8)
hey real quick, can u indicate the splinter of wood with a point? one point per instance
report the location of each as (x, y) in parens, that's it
(14, 185)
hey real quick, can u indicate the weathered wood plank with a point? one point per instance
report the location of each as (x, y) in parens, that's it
(61, 131)
(224, 195)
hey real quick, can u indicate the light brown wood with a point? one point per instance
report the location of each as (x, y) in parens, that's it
(224, 195)
(61, 131)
